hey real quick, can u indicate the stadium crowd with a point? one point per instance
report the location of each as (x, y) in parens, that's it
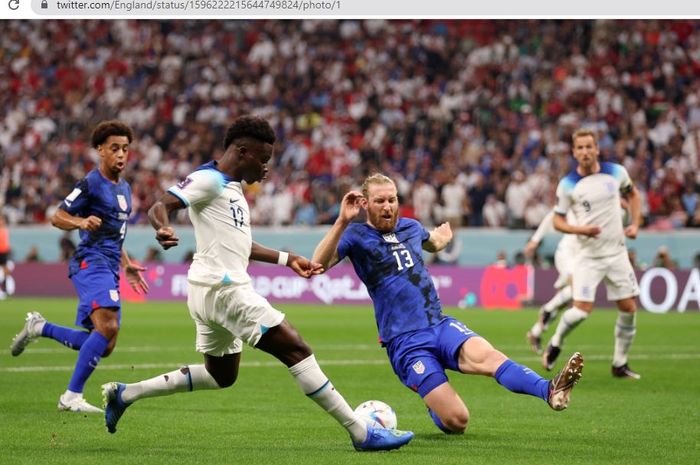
(472, 118)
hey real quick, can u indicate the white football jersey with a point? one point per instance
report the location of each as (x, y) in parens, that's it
(595, 200)
(221, 219)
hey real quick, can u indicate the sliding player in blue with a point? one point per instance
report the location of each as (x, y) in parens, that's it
(421, 342)
(99, 207)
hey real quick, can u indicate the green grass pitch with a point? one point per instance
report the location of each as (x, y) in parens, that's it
(264, 419)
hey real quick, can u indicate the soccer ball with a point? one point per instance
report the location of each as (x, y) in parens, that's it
(377, 414)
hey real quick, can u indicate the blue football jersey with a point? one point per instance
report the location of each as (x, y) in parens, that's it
(391, 266)
(98, 196)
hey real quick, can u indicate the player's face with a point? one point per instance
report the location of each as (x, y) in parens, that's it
(382, 206)
(114, 153)
(586, 152)
(257, 156)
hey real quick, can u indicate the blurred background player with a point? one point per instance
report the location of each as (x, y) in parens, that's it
(421, 342)
(226, 309)
(563, 261)
(99, 207)
(592, 192)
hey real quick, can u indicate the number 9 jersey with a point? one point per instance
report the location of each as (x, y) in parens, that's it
(391, 266)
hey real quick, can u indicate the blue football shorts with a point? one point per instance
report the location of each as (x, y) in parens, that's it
(419, 358)
(97, 287)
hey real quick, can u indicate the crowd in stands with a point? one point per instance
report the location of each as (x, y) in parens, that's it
(472, 118)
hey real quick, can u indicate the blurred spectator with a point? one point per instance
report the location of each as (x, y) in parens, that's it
(663, 259)
(494, 212)
(33, 255)
(501, 259)
(153, 255)
(66, 246)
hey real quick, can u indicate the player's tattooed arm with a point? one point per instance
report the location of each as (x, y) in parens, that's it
(439, 238)
(159, 216)
(67, 222)
(326, 252)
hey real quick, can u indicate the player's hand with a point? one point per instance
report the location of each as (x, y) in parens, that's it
(166, 237)
(590, 230)
(350, 206)
(631, 231)
(91, 223)
(303, 266)
(443, 233)
(530, 248)
(135, 278)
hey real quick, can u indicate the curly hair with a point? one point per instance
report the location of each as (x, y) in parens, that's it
(249, 126)
(110, 128)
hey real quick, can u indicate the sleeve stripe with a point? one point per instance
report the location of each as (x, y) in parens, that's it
(179, 196)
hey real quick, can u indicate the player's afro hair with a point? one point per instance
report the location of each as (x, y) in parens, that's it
(110, 128)
(249, 126)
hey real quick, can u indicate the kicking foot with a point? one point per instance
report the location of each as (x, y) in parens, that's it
(383, 439)
(560, 387)
(113, 404)
(535, 342)
(76, 404)
(625, 372)
(31, 331)
(549, 357)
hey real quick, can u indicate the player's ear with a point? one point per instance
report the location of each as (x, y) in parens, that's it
(363, 203)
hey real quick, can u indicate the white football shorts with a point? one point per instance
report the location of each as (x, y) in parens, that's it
(616, 271)
(228, 316)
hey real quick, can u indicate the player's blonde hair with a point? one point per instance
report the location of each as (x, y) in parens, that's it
(583, 133)
(375, 179)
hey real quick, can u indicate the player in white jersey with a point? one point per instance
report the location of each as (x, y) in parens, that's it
(223, 304)
(592, 193)
(564, 262)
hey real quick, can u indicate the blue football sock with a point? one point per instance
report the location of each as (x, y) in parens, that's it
(521, 379)
(438, 422)
(69, 337)
(88, 358)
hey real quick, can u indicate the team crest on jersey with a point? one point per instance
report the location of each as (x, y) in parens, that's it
(122, 202)
(418, 367)
(114, 295)
(391, 238)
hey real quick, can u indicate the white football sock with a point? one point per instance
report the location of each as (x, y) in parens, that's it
(187, 378)
(625, 329)
(560, 298)
(318, 387)
(569, 320)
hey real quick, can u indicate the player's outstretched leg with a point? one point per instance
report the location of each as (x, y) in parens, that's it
(560, 387)
(31, 331)
(114, 405)
(383, 439)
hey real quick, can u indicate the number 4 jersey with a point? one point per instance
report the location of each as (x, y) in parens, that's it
(595, 200)
(221, 219)
(98, 196)
(391, 266)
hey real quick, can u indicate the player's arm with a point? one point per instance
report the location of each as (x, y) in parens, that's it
(159, 216)
(546, 226)
(67, 222)
(133, 275)
(438, 239)
(301, 265)
(635, 205)
(326, 252)
(560, 224)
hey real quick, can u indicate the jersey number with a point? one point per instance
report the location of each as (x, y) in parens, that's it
(237, 213)
(406, 261)
(586, 206)
(122, 231)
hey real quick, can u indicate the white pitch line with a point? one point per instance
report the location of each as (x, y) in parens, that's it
(274, 363)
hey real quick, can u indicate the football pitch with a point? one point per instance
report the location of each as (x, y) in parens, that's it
(264, 418)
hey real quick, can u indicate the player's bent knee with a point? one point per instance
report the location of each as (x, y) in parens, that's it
(225, 381)
(456, 421)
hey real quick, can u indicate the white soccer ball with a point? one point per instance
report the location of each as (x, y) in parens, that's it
(377, 414)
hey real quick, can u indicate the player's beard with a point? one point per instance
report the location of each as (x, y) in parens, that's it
(382, 224)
